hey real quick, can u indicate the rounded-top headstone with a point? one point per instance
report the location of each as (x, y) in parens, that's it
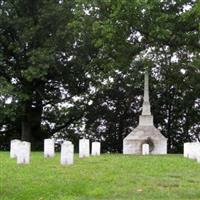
(49, 148)
(23, 155)
(67, 153)
(145, 149)
(14, 148)
(96, 148)
(84, 148)
(186, 149)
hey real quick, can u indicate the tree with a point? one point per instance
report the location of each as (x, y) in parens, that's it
(43, 53)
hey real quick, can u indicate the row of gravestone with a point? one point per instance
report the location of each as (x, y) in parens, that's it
(22, 150)
(192, 150)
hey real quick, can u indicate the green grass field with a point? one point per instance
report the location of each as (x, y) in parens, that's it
(108, 177)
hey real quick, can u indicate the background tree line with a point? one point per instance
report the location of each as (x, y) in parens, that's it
(75, 68)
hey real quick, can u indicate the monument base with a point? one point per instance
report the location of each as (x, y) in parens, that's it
(132, 144)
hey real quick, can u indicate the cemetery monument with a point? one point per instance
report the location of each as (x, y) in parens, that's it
(145, 132)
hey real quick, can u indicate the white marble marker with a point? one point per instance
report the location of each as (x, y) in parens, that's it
(49, 148)
(14, 148)
(145, 149)
(67, 153)
(23, 155)
(84, 148)
(96, 148)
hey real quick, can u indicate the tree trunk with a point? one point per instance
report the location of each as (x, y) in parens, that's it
(31, 124)
(120, 134)
(26, 130)
(25, 123)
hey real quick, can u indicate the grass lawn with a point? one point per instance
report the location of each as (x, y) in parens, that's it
(108, 177)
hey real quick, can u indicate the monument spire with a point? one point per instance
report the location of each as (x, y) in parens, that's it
(145, 132)
(146, 86)
(146, 110)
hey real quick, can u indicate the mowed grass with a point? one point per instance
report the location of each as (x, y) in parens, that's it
(108, 177)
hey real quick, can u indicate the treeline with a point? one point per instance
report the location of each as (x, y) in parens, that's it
(72, 68)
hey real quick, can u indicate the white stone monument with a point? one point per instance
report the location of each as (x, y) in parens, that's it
(14, 148)
(49, 148)
(84, 148)
(67, 153)
(145, 132)
(145, 149)
(23, 154)
(96, 148)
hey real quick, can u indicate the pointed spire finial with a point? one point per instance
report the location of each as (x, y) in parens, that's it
(146, 103)
(146, 86)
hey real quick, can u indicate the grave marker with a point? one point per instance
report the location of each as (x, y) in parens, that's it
(14, 148)
(84, 148)
(23, 155)
(96, 148)
(67, 153)
(145, 149)
(49, 148)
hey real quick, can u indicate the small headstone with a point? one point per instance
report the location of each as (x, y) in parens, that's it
(197, 150)
(145, 149)
(96, 148)
(23, 155)
(186, 149)
(198, 158)
(14, 148)
(49, 148)
(84, 148)
(67, 153)
(193, 150)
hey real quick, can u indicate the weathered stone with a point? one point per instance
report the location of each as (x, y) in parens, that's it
(192, 150)
(49, 148)
(145, 132)
(14, 148)
(186, 149)
(23, 154)
(145, 149)
(67, 153)
(96, 148)
(84, 148)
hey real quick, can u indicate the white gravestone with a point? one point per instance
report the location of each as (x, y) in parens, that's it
(84, 148)
(96, 148)
(192, 150)
(49, 148)
(145, 149)
(23, 155)
(196, 150)
(186, 149)
(67, 153)
(198, 159)
(14, 148)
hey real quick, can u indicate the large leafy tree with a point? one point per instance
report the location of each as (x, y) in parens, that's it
(45, 51)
